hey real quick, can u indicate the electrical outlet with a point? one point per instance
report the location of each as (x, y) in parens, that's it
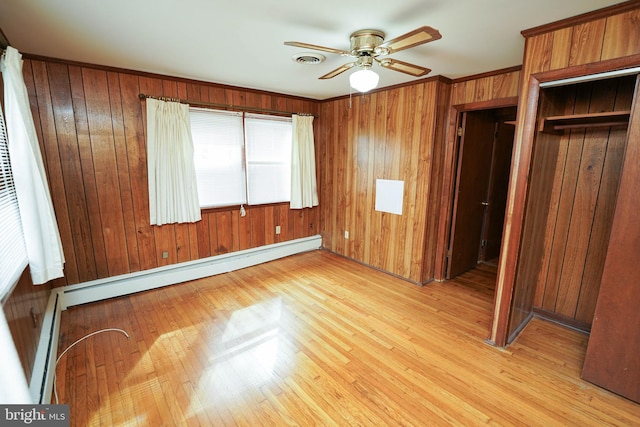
(165, 255)
(346, 234)
(277, 229)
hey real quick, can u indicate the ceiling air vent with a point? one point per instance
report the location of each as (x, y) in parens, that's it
(308, 58)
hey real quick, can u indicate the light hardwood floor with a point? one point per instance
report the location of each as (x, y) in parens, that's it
(316, 339)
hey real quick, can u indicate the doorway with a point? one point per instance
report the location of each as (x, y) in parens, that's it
(485, 145)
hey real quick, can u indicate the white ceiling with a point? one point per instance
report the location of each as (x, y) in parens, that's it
(240, 43)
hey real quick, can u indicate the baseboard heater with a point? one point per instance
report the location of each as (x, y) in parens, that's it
(41, 383)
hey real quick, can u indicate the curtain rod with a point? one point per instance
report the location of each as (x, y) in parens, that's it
(224, 106)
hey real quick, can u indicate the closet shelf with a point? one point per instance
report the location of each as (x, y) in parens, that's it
(558, 124)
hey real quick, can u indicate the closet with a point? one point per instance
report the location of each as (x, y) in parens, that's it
(576, 167)
(584, 146)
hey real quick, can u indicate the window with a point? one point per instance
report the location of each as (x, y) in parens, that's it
(241, 158)
(13, 255)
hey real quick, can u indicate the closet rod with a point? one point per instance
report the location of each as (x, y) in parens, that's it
(224, 106)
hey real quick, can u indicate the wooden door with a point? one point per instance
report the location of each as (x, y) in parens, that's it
(497, 192)
(474, 163)
(613, 353)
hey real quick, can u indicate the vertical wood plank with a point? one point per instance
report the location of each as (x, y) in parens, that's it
(71, 165)
(136, 148)
(560, 53)
(269, 226)
(244, 229)
(430, 173)
(621, 35)
(506, 85)
(225, 232)
(368, 126)
(258, 225)
(379, 172)
(122, 161)
(483, 89)
(586, 43)
(213, 233)
(88, 171)
(584, 204)
(106, 169)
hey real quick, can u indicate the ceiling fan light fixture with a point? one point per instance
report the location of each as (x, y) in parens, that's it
(363, 80)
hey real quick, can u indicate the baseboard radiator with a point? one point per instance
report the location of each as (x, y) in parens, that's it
(41, 384)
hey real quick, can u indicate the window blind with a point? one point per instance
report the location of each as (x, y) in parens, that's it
(268, 144)
(218, 143)
(13, 254)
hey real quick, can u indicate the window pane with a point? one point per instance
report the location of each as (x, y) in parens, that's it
(219, 157)
(268, 140)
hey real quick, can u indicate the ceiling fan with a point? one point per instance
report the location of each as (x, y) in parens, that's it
(368, 46)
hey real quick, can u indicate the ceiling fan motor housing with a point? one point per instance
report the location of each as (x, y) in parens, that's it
(365, 42)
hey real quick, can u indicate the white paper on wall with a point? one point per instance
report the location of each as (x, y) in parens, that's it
(389, 196)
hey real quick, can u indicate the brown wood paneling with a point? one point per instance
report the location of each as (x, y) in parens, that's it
(586, 43)
(621, 35)
(559, 51)
(372, 137)
(136, 158)
(91, 125)
(506, 85)
(122, 163)
(24, 310)
(105, 162)
(550, 174)
(387, 134)
(72, 173)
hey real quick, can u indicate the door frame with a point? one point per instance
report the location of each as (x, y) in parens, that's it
(454, 245)
(449, 176)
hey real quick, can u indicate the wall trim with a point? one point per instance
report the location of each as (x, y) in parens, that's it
(41, 384)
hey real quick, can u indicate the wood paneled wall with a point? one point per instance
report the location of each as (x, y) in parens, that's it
(389, 134)
(24, 310)
(90, 122)
(565, 49)
(500, 84)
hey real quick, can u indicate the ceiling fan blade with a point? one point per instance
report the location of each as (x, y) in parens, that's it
(413, 38)
(404, 67)
(316, 47)
(339, 70)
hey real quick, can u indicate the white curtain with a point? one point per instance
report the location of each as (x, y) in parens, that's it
(304, 190)
(42, 238)
(173, 191)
